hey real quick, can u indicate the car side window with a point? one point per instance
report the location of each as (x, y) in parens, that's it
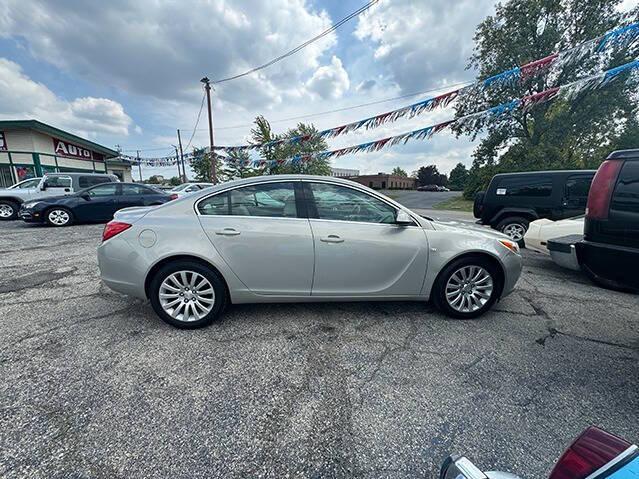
(525, 186)
(340, 203)
(87, 181)
(109, 189)
(626, 195)
(275, 200)
(29, 184)
(578, 186)
(215, 205)
(136, 190)
(58, 182)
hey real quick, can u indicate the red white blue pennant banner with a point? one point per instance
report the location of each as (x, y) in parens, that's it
(567, 92)
(621, 36)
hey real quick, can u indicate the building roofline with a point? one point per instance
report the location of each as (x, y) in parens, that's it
(56, 132)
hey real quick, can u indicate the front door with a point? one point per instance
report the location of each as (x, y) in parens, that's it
(99, 204)
(359, 250)
(575, 195)
(133, 195)
(257, 231)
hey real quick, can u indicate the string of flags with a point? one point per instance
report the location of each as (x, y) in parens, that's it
(568, 92)
(621, 36)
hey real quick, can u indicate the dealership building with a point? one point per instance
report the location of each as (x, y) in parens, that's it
(29, 148)
(384, 181)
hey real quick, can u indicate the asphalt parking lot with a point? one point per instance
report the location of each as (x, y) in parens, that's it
(92, 384)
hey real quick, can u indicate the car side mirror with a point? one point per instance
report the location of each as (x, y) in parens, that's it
(43, 186)
(403, 219)
(85, 196)
(459, 467)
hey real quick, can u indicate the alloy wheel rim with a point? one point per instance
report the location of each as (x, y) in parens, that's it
(186, 296)
(515, 231)
(59, 217)
(469, 288)
(5, 211)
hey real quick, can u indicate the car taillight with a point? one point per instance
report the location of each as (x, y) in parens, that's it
(601, 189)
(592, 450)
(174, 196)
(113, 228)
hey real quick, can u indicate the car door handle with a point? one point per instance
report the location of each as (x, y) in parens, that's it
(227, 232)
(331, 239)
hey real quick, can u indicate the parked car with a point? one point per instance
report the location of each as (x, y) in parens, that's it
(428, 188)
(299, 238)
(187, 188)
(442, 188)
(513, 200)
(541, 231)
(96, 204)
(52, 184)
(608, 250)
(595, 454)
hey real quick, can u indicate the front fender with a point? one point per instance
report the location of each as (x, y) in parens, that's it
(445, 246)
(503, 213)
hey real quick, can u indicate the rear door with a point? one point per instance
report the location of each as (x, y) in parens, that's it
(263, 235)
(575, 195)
(99, 204)
(137, 195)
(359, 250)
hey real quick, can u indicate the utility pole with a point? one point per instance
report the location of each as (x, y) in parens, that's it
(207, 87)
(177, 161)
(182, 155)
(139, 165)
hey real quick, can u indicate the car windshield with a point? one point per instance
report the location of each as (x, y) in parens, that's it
(31, 183)
(181, 187)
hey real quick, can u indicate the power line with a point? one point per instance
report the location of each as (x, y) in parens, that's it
(303, 45)
(353, 107)
(197, 122)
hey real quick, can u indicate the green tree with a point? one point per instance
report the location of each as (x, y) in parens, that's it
(201, 165)
(263, 133)
(154, 180)
(237, 167)
(397, 171)
(175, 181)
(556, 134)
(458, 177)
(430, 175)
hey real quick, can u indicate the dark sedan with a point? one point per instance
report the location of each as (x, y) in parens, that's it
(95, 204)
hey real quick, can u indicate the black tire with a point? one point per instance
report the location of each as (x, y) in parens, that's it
(438, 294)
(9, 210)
(58, 212)
(513, 224)
(477, 204)
(219, 288)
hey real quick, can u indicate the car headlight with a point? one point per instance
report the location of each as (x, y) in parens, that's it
(511, 245)
(31, 204)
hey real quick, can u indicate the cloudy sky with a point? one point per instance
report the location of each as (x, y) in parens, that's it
(127, 72)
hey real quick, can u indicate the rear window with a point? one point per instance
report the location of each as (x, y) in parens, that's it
(87, 181)
(626, 196)
(528, 186)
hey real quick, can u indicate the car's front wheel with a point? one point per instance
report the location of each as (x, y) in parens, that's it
(467, 287)
(8, 210)
(187, 294)
(514, 227)
(59, 217)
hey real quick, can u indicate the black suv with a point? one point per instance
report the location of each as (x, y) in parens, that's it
(609, 250)
(513, 200)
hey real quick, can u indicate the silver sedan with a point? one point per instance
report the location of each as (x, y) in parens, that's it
(297, 238)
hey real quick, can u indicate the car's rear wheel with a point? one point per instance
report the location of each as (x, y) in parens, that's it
(514, 227)
(59, 217)
(467, 287)
(8, 210)
(187, 294)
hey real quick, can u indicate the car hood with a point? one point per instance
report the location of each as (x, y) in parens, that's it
(50, 199)
(457, 227)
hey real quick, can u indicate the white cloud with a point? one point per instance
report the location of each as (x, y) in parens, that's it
(162, 49)
(23, 98)
(329, 81)
(423, 44)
